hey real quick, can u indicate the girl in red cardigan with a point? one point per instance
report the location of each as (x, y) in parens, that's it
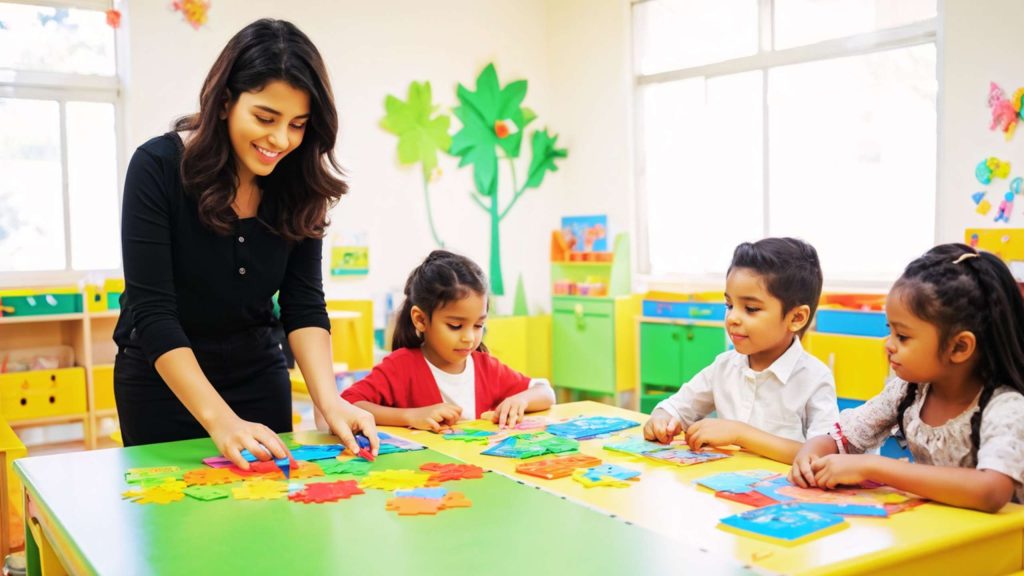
(440, 370)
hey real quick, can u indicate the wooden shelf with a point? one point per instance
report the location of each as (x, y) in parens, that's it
(593, 263)
(41, 318)
(63, 419)
(108, 413)
(105, 314)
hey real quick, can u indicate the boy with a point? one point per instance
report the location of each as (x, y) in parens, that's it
(769, 393)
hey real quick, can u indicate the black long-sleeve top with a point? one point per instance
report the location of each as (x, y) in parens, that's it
(183, 280)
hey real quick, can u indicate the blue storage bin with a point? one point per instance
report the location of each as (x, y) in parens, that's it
(852, 322)
(685, 310)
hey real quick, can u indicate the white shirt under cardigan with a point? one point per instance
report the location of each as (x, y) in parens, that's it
(460, 389)
(793, 398)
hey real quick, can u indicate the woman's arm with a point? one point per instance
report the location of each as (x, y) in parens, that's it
(312, 349)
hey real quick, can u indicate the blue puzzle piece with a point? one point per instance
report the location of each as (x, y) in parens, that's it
(596, 473)
(783, 521)
(589, 427)
(430, 493)
(736, 482)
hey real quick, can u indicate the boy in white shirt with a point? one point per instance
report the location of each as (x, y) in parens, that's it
(769, 393)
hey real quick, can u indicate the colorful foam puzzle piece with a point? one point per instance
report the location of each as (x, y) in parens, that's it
(210, 476)
(742, 481)
(137, 475)
(413, 506)
(321, 492)
(685, 457)
(395, 479)
(752, 498)
(436, 493)
(260, 489)
(455, 500)
(170, 490)
(447, 472)
(557, 467)
(590, 426)
(580, 475)
(355, 466)
(306, 470)
(217, 462)
(783, 523)
(206, 493)
(403, 444)
(468, 435)
(638, 446)
(317, 452)
(977, 197)
(612, 471)
(532, 444)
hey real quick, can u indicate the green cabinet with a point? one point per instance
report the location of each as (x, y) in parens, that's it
(671, 354)
(583, 333)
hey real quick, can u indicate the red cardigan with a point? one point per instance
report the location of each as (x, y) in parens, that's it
(404, 380)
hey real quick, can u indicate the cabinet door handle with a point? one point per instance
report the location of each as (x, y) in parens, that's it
(675, 336)
(689, 334)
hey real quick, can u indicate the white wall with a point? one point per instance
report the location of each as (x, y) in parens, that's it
(373, 49)
(978, 46)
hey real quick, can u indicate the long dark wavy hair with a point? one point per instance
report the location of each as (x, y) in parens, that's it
(442, 278)
(307, 182)
(955, 288)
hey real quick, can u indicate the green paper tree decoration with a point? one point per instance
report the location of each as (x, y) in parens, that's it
(494, 124)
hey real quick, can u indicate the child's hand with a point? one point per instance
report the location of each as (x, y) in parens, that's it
(510, 412)
(802, 472)
(434, 418)
(662, 427)
(835, 469)
(713, 432)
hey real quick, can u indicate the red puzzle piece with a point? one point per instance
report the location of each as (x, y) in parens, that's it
(320, 492)
(752, 498)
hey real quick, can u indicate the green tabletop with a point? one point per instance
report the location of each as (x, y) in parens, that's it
(510, 529)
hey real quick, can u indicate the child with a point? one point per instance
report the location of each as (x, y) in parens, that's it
(956, 345)
(769, 393)
(439, 369)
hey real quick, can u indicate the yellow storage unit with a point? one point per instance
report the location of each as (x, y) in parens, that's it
(859, 363)
(522, 343)
(103, 387)
(42, 393)
(352, 333)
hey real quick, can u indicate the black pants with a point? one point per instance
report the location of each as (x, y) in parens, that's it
(247, 369)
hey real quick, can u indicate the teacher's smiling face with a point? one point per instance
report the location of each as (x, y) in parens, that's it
(266, 125)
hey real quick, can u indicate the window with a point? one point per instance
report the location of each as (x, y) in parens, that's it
(807, 118)
(59, 148)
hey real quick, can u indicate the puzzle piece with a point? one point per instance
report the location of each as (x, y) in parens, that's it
(306, 470)
(210, 476)
(590, 426)
(318, 452)
(137, 475)
(170, 490)
(435, 493)
(447, 472)
(206, 493)
(580, 475)
(395, 479)
(610, 471)
(321, 492)
(455, 500)
(413, 506)
(469, 435)
(558, 467)
(532, 444)
(355, 466)
(684, 457)
(260, 489)
(741, 481)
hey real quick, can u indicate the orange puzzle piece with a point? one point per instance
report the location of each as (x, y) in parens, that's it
(210, 477)
(558, 467)
(446, 472)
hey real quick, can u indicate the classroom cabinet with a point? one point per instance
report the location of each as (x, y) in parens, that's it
(671, 353)
(858, 363)
(583, 334)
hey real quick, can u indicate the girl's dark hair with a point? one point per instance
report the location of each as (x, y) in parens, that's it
(302, 185)
(442, 278)
(790, 268)
(956, 288)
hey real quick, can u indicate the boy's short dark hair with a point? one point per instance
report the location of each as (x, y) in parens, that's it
(790, 268)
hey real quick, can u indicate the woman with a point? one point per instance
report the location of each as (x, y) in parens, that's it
(218, 216)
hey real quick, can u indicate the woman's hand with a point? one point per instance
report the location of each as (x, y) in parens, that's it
(231, 434)
(345, 420)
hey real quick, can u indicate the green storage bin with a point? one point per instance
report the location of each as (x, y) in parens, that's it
(583, 342)
(42, 304)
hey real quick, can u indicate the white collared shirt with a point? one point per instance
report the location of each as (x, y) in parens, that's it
(793, 398)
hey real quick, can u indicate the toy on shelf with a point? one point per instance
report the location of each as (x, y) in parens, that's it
(1005, 113)
(991, 168)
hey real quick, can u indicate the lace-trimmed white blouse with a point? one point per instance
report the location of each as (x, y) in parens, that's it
(1002, 431)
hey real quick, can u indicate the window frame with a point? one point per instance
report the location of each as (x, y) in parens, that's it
(919, 33)
(63, 88)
